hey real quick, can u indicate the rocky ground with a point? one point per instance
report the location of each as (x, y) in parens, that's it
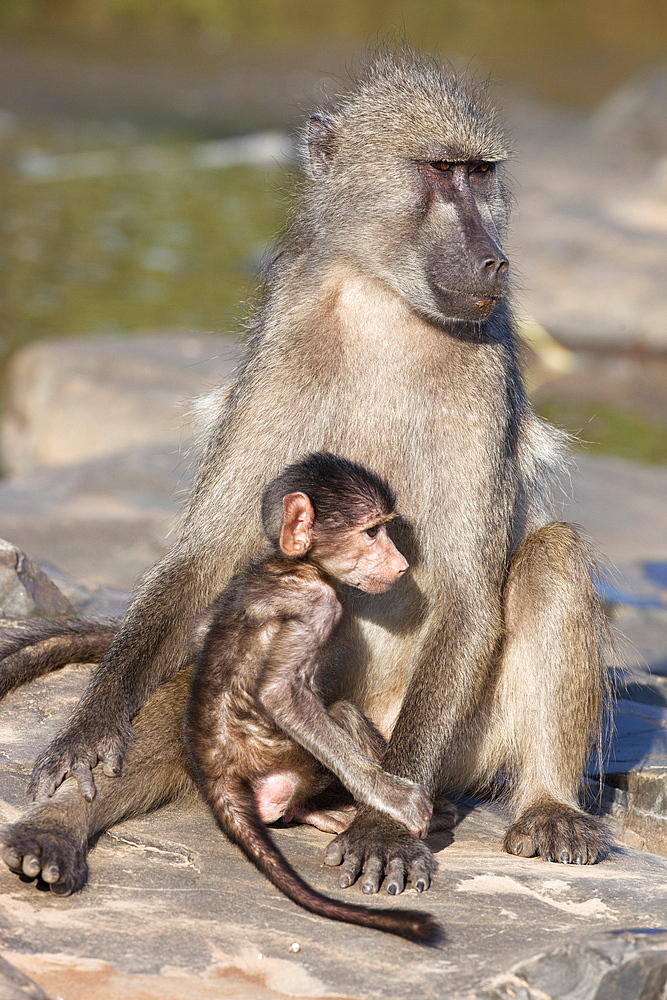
(97, 456)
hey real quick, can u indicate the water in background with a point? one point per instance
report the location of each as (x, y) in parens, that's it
(119, 211)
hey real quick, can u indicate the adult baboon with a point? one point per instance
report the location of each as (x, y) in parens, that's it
(386, 337)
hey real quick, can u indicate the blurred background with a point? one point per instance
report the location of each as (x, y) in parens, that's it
(144, 152)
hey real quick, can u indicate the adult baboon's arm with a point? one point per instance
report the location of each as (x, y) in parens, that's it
(445, 690)
(148, 649)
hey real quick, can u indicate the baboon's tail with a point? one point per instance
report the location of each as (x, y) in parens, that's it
(238, 818)
(34, 647)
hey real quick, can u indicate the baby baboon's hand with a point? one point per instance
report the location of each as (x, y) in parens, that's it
(407, 803)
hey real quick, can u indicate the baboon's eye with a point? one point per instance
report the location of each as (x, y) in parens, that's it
(441, 164)
(372, 532)
(482, 168)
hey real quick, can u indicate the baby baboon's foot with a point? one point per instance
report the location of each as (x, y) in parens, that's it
(445, 815)
(328, 820)
(52, 854)
(557, 833)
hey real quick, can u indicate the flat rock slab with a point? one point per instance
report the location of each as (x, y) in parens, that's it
(73, 400)
(172, 910)
(104, 520)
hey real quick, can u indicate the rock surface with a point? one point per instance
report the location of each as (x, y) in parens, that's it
(67, 403)
(98, 441)
(173, 910)
(26, 591)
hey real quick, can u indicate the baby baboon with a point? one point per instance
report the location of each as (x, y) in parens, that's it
(386, 336)
(260, 741)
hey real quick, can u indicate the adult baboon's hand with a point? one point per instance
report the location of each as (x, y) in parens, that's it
(76, 751)
(375, 846)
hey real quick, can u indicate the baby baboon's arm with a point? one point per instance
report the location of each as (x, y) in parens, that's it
(288, 696)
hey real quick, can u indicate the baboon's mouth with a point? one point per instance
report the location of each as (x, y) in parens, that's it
(458, 304)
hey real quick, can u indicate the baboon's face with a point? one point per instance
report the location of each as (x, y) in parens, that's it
(408, 185)
(458, 244)
(433, 231)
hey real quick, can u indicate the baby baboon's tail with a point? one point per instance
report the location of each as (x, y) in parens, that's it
(237, 816)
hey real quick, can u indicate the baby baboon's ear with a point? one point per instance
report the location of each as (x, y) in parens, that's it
(321, 144)
(296, 535)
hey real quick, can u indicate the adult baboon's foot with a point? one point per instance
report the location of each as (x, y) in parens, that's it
(557, 833)
(28, 847)
(75, 752)
(374, 847)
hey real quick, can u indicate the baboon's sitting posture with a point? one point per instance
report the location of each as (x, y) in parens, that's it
(385, 336)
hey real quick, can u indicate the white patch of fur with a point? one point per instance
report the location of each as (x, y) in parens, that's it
(544, 461)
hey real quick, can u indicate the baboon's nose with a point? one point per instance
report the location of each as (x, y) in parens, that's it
(493, 272)
(495, 266)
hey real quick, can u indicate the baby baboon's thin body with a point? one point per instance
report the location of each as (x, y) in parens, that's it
(260, 739)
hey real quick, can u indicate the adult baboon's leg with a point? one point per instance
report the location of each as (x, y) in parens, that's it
(51, 838)
(548, 703)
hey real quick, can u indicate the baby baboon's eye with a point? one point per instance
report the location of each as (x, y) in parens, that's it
(372, 532)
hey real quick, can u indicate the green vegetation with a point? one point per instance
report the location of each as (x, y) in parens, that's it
(127, 251)
(609, 430)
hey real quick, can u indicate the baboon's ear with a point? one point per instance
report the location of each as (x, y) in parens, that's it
(296, 535)
(321, 138)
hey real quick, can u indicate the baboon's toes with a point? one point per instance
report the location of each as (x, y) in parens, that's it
(558, 834)
(50, 855)
(445, 815)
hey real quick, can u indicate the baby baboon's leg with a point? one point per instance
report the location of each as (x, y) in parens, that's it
(51, 838)
(549, 699)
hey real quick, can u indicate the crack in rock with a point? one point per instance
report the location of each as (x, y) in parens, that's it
(180, 857)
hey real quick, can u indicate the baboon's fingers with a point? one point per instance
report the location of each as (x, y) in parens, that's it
(43, 784)
(31, 865)
(334, 854)
(420, 874)
(351, 867)
(51, 873)
(559, 834)
(375, 844)
(112, 765)
(521, 844)
(445, 815)
(373, 875)
(12, 859)
(395, 876)
(84, 779)
(32, 849)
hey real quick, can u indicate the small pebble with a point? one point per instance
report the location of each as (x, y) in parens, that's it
(295, 947)
(259, 955)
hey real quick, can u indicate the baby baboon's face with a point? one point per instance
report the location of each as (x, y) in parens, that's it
(363, 556)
